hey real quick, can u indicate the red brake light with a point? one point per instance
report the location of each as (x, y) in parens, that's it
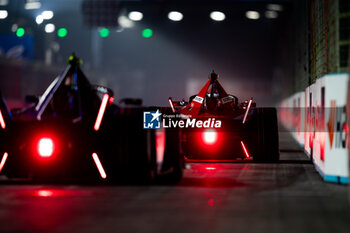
(210, 136)
(101, 111)
(99, 166)
(2, 121)
(45, 147)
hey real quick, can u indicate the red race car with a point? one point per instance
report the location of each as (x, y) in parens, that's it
(216, 126)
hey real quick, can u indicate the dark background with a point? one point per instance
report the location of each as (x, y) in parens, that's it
(248, 54)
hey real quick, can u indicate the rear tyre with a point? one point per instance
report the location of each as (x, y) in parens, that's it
(268, 142)
(173, 164)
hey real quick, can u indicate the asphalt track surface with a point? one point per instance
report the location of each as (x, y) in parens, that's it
(227, 197)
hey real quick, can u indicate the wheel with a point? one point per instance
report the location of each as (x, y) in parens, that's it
(173, 164)
(128, 149)
(267, 136)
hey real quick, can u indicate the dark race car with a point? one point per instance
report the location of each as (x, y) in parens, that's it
(75, 133)
(216, 126)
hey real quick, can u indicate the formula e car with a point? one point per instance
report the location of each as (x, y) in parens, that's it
(216, 126)
(75, 133)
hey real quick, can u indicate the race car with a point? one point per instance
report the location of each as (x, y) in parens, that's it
(74, 133)
(216, 126)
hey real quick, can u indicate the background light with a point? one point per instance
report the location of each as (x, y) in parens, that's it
(135, 15)
(14, 27)
(252, 15)
(32, 5)
(39, 19)
(62, 32)
(47, 14)
(104, 32)
(147, 33)
(274, 7)
(49, 28)
(20, 32)
(4, 2)
(271, 14)
(3, 14)
(217, 16)
(175, 16)
(125, 22)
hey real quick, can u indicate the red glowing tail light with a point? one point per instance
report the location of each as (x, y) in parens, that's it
(245, 150)
(99, 166)
(45, 147)
(101, 112)
(210, 137)
(3, 161)
(2, 121)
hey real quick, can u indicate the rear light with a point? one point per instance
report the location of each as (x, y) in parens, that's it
(2, 121)
(99, 166)
(245, 149)
(246, 112)
(3, 161)
(160, 148)
(210, 137)
(101, 112)
(171, 105)
(45, 147)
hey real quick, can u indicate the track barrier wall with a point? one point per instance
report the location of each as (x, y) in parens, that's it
(317, 120)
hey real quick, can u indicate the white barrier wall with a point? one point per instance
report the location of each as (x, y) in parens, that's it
(321, 119)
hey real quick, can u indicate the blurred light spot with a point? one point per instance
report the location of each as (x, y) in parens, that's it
(210, 168)
(44, 193)
(271, 14)
(2, 121)
(14, 27)
(32, 5)
(3, 14)
(20, 32)
(125, 22)
(3, 161)
(99, 166)
(119, 29)
(49, 28)
(135, 15)
(55, 46)
(252, 15)
(104, 32)
(62, 32)
(175, 16)
(210, 136)
(39, 19)
(47, 14)
(217, 16)
(274, 7)
(147, 33)
(210, 202)
(4, 2)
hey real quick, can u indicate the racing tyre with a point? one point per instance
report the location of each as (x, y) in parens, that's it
(173, 164)
(268, 142)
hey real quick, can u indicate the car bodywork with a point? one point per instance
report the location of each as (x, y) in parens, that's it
(75, 133)
(245, 132)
